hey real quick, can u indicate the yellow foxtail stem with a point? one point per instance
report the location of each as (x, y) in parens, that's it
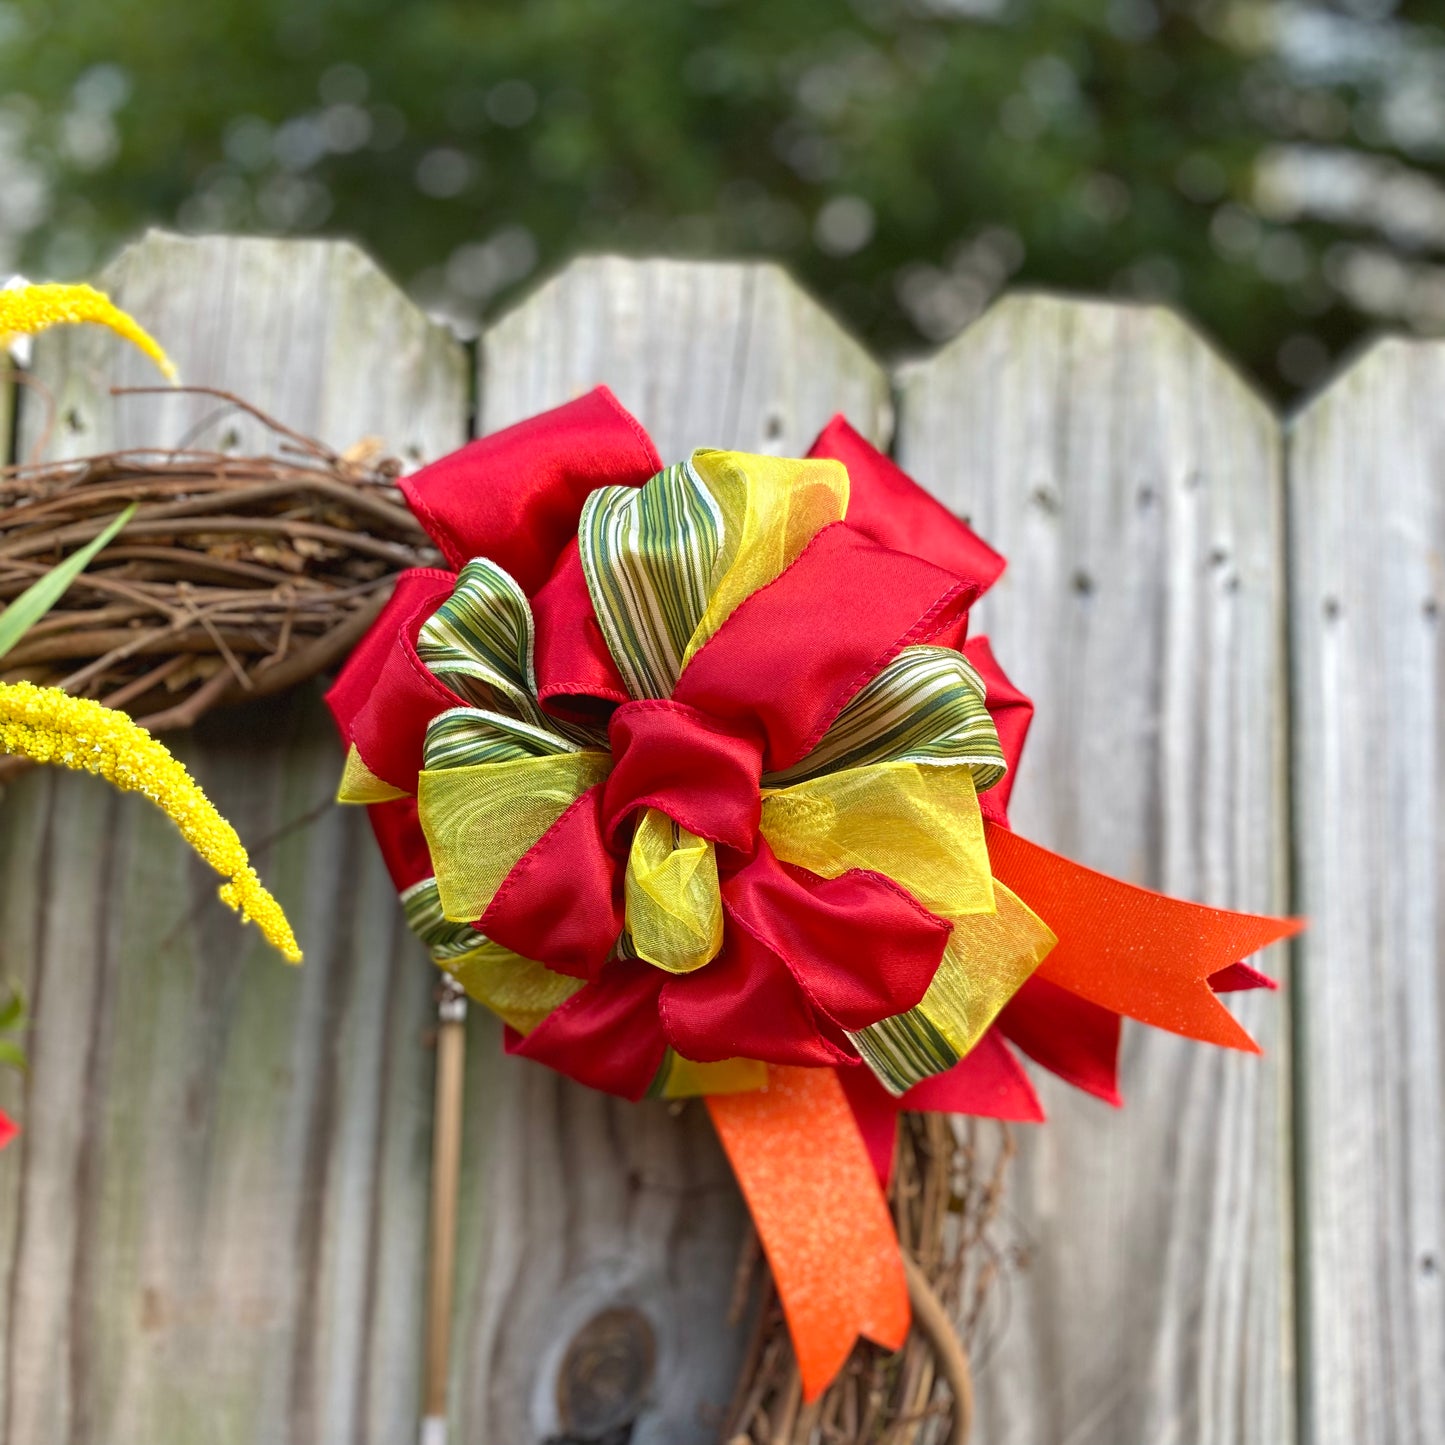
(27, 310)
(49, 726)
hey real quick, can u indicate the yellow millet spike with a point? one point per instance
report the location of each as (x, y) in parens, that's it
(27, 310)
(50, 726)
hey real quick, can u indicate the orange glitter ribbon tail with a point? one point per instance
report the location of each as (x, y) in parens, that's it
(820, 1214)
(1131, 950)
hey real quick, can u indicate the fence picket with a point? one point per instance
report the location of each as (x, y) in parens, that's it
(219, 1217)
(581, 1204)
(1367, 537)
(1134, 484)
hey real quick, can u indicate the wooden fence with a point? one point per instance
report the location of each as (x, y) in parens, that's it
(213, 1228)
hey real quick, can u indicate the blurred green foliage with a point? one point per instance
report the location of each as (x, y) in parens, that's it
(907, 158)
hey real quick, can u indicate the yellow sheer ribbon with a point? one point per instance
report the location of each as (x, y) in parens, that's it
(360, 785)
(920, 825)
(480, 820)
(988, 959)
(684, 1079)
(772, 508)
(674, 909)
(516, 989)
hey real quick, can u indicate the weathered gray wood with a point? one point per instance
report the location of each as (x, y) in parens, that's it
(213, 1228)
(1134, 484)
(703, 352)
(578, 1203)
(1367, 491)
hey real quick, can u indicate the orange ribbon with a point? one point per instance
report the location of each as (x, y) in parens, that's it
(820, 1214)
(1131, 950)
(802, 1163)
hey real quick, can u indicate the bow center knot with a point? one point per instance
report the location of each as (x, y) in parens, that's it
(703, 773)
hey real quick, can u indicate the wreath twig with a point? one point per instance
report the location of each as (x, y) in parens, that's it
(238, 576)
(946, 1196)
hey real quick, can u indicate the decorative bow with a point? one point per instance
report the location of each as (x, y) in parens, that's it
(690, 775)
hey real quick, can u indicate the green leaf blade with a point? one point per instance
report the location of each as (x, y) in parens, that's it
(38, 599)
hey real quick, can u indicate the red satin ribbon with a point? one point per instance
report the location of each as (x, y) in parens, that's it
(791, 655)
(515, 496)
(988, 1082)
(576, 676)
(1012, 713)
(606, 1034)
(384, 695)
(1068, 1035)
(563, 901)
(803, 959)
(701, 773)
(886, 504)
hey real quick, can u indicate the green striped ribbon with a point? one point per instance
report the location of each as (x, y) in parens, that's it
(480, 643)
(650, 555)
(904, 1050)
(927, 706)
(446, 940)
(464, 736)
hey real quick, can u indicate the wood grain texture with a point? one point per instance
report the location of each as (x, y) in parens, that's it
(578, 1203)
(216, 1228)
(1368, 585)
(311, 332)
(722, 354)
(1134, 484)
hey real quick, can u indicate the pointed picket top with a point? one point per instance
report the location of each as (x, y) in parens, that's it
(278, 322)
(704, 353)
(1371, 368)
(1133, 481)
(1367, 588)
(1095, 341)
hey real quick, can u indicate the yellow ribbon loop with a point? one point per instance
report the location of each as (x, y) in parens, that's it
(772, 507)
(988, 959)
(516, 989)
(479, 821)
(920, 825)
(674, 909)
(685, 1079)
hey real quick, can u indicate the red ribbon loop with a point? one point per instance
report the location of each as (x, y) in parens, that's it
(792, 654)
(562, 903)
(515, 496)
(703, 774)
(385, 697)
(606, 1035)
(576, 676)
(804, 959)
(886, 504)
